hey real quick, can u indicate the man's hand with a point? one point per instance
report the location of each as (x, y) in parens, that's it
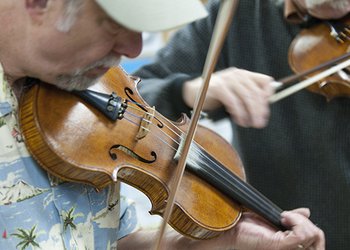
(252, 233)
(244, 95)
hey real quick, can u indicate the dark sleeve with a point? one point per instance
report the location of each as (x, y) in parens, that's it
(180, 60)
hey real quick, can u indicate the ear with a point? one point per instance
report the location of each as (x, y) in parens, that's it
(36, 9)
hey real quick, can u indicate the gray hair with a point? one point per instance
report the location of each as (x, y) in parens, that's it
(69, 16)
(336, 4)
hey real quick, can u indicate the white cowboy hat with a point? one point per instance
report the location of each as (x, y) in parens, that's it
(153, 15)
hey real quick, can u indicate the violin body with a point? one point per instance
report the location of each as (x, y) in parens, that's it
(75, 142)
(314, 46)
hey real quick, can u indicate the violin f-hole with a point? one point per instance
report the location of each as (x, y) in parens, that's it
(130, 153)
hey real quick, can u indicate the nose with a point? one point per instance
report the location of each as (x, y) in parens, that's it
(129, 44)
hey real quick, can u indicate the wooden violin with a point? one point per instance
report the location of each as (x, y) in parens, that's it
(320, 44)
(131, 142)
(321, 54)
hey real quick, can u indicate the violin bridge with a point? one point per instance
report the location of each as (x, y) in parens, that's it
(145, 124)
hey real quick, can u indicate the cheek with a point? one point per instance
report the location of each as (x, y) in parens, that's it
(84, 55)
(95, 46)
(93, 51)
(66, 52)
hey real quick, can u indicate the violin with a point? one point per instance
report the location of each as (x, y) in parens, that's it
(319, 47)
(108, 133)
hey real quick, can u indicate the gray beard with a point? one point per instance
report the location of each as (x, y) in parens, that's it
(75, 82)
(78, 81)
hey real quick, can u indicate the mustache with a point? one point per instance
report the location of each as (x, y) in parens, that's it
(108, 61)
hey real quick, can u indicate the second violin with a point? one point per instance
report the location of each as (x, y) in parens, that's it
(317, 47)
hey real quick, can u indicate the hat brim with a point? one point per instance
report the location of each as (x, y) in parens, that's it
(153, 15)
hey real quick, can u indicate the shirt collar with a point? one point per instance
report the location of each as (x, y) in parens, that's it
(3, 84)
(1, 75)
(5, 106)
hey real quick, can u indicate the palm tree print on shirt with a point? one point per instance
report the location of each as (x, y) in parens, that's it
(27, 238)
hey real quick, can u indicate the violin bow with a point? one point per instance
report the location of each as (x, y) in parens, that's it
(333, 68)
(222, 25)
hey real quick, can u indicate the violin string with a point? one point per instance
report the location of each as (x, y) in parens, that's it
(245, 189)
(137, 124)
(166, 125)
(197, 154)
(146, 112)
(247, 194)
(196, 149)
(180, 136)
(132, 122)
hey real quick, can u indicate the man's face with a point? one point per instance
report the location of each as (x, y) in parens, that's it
(324, 9)
(77, 58)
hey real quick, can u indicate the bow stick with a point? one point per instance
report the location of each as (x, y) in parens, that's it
(222, 24)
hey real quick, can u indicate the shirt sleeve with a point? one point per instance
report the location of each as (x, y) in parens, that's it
(128, 222)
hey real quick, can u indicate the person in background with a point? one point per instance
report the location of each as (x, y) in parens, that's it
(294, 151)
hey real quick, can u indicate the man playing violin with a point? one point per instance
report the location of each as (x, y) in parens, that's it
(70, 44)
(299, 156)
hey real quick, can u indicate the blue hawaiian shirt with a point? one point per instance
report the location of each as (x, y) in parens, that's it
(38, 211)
